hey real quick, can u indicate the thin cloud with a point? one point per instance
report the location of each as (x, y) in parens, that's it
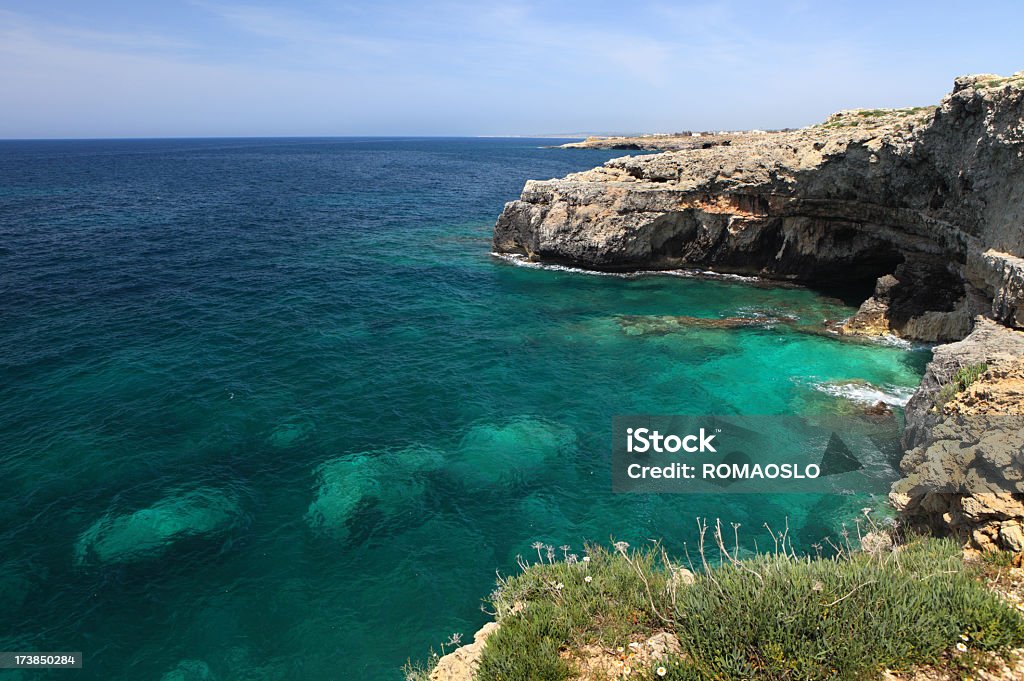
(223, 67)
(294, 30)
(136, 41)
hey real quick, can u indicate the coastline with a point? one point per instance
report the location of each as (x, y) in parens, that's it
(917, 208)
(912, 206)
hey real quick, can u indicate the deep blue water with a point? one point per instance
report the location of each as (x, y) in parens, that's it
(270, 410)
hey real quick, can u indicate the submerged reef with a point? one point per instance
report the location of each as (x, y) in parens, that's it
(390, 479)
(488, 456)
(148, 532)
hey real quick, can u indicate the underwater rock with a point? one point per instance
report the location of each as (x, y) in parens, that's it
(878, 410)
(190, 670)
(499, 454)
(148, 532)
(640, 325)
(391, 478)
(288, 433)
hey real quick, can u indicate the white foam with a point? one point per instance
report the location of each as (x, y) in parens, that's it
(866, 393)
(767, 313)
(896, 342)
(522, 261)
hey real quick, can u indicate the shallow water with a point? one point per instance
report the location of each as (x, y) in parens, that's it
(270, 410)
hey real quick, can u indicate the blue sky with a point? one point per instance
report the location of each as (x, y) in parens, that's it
(117, 68)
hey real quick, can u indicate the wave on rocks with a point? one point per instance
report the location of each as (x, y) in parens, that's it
(520, 260)
(866, 393)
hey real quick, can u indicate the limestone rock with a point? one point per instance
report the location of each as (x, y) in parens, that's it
(964, 465)
(681, 577)
(989, 343)
(664, 644)
(923, 206)
(932, 197)
(461, 663)
(597, 663)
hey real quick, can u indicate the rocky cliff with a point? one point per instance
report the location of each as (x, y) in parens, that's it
(920, 209)
(964, 441)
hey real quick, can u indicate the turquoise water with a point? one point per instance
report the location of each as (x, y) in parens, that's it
(270, 410)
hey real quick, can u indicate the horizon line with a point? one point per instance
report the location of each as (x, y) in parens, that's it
(308, 137)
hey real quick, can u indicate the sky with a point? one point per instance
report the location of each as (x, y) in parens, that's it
(198, 68)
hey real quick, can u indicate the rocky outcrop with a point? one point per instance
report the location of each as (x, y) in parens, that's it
(661, 142)
(599, 663)
(964, 464)
(920, 211)
(461, 663)
(925, 207)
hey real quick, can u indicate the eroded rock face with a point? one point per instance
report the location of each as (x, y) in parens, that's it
(931, 198)
(920, 209)
(974, 442)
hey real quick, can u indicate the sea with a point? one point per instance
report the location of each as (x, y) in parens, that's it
(271, 408)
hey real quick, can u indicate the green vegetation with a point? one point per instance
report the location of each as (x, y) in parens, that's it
(899, 113)
(961, 380)
(420, 671)
(853, 119)
(999, 82)
(602, 599)
(875, 113)
(997, 559)
(771, 616)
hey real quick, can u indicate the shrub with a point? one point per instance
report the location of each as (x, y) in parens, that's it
(962, 379)
(814, 619)
(776, 616)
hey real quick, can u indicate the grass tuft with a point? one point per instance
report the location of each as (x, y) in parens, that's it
(771, 616)
(962, 379)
